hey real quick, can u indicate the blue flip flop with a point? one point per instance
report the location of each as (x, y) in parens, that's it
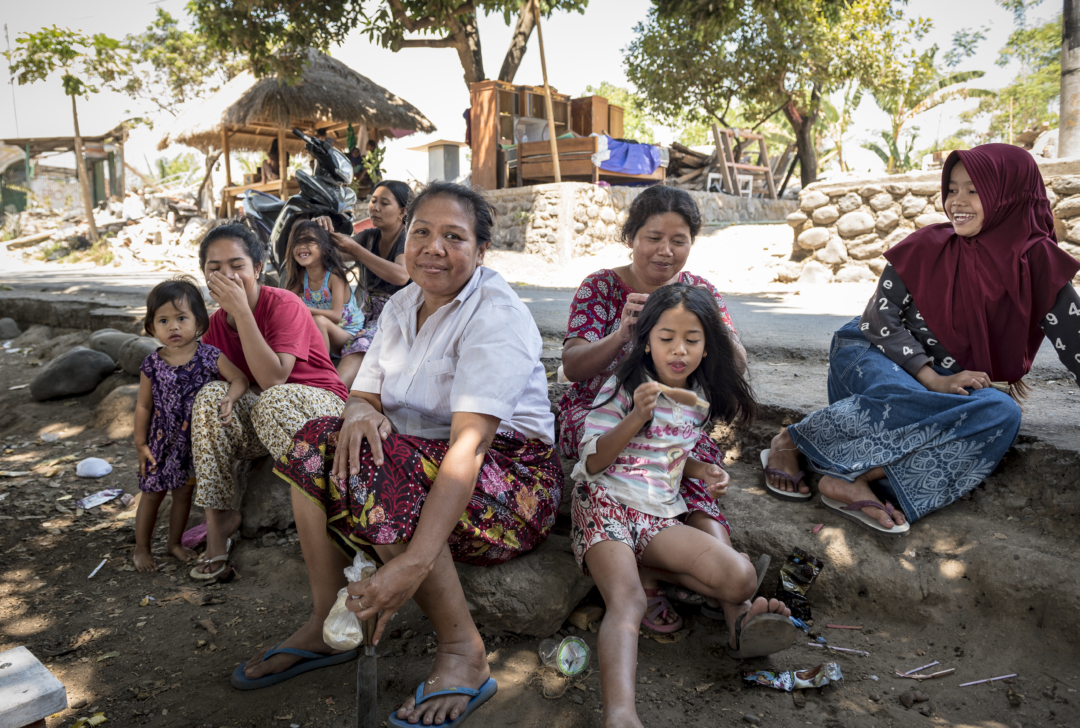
(311, 661)
(478, 698)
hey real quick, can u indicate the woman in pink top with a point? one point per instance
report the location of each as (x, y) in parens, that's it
(270, 336)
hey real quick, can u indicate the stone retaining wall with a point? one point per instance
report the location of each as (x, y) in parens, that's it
(842, 229)
(571, 219)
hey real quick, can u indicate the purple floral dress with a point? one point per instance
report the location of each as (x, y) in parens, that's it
(173, 391)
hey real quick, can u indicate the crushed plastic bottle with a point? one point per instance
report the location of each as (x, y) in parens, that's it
(570, 657)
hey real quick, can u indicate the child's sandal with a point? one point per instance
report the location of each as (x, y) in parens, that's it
(658, 606)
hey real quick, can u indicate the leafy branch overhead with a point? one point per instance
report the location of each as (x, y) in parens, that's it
(273, 33)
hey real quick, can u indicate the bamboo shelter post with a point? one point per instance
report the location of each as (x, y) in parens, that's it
(283, 168)
(547, 95)
(225, 153)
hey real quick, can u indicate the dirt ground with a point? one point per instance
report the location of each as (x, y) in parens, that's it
(167, 662)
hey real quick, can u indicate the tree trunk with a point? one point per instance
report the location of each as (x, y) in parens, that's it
(468, 50)
(802, 123)
(519, 43)
(84, 181)
(1069, 125)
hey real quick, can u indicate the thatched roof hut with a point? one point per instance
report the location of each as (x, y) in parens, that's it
(329, 97)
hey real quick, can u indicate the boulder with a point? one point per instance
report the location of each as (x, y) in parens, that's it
(814, 273)
(834, 252)
(116, 413)
(134, 351)
(877, 265)
(77, 371)
(1069, 207)
(854, 224)
(849, 203)
(787, 271)
(911, 206)
(866, 247)
(881, 202)
(812, 200)
(1066, 186)
(531, 595)
(813, 238)
(887, 220)
(113, 381)
(853, 273)
(61, 344)
(1051, 196)
(1072, 232)
(33, 336)
(938, 204)
(930, 218)
(870, 191)
(266, 502)
(826, 215)
(896, 189)
(927, 188)
(8, 328)
(896, 236)
(796, 219)
(109, 341)
(607, 215)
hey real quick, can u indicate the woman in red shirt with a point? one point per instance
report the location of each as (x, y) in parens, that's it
(270, 336)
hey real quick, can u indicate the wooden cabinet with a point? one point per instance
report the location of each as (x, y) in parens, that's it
(506, 114)
(594, 115)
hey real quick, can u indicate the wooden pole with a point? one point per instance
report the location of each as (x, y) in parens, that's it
(547, 97)
(283, 167)
(1069, 124)
(225, 153)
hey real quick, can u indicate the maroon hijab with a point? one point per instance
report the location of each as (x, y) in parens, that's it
(984, 297)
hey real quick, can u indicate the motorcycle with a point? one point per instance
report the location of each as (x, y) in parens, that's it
(326, 193)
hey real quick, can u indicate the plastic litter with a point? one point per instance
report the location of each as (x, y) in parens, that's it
(94, 720)
(194, 536)
(815, 677)
(93, 468)
(989, 680)
(341, 629)
(49, 437)
(95, 571)
(96, 499)
(796, 575)
(570, 656)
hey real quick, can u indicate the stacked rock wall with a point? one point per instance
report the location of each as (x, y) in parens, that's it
(841, 230)
(567, 220)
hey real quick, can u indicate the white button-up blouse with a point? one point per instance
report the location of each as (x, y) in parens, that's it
(479, 353)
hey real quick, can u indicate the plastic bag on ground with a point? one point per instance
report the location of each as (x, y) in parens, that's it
(341, 629)
(93, 468)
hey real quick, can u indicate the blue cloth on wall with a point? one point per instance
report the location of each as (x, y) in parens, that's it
(628, 158)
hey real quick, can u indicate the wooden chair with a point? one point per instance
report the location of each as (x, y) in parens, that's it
(730, 168)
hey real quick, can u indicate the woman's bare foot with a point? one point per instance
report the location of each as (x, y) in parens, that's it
(181, 552)
(308, 638)
(846, 492)
(784, 456)
(456, 665)
(761, 605)
(143, 559)
(216, 538)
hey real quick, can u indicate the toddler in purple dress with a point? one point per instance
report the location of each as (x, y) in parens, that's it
(170, 379)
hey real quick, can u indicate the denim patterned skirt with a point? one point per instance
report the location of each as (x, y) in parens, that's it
(933, 447)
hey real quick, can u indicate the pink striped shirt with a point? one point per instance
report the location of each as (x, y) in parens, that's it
(647, 474)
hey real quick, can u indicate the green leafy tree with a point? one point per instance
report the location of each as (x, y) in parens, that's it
(915, 84)
(895, 154)
(274, 34)
(637, 122)
(173, 66)
(699, 59)
(1030, 100)
(82, 60)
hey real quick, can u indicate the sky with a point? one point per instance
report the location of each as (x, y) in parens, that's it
(581, 50)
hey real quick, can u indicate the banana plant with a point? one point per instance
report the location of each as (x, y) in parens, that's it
(894, 158)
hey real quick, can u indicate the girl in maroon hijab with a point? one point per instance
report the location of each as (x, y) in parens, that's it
(917, 415)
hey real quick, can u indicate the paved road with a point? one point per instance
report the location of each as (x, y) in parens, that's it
(773, 326)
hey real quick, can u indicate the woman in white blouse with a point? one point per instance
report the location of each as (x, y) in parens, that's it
(444, 453)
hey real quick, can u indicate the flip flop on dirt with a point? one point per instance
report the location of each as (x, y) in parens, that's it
(795, 479)
(853, 512)
(223, 559)
(760, 568)
(658, 606)
(478, 698)
(311, 661)
(761, 635)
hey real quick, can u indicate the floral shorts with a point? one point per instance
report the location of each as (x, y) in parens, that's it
(597, 517)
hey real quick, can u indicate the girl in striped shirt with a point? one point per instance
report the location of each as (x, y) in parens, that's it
(679, 378)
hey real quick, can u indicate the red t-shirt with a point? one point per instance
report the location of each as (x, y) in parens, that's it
(288, 328)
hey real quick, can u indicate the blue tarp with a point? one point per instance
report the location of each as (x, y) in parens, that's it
(628, 158)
